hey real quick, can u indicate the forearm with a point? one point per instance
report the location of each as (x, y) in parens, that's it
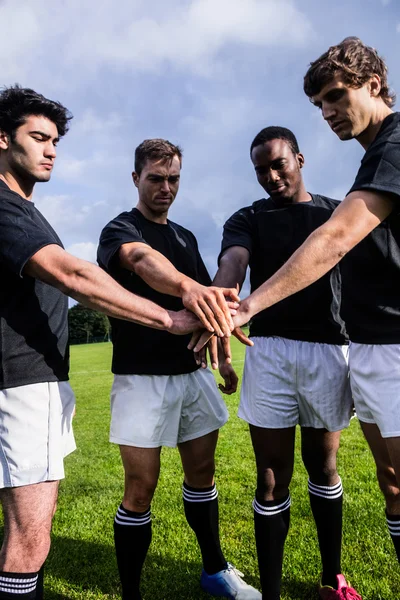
(320, 252)
(231, 271)
(157, 271)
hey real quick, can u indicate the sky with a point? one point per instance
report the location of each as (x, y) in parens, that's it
(205, 74)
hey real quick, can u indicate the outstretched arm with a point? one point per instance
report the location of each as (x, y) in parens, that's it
(91, 286)
(353, 220)
(207, 303)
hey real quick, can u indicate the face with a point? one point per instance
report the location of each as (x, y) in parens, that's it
(348, 111)
(278, 169)
(32, 152)
(158, 184)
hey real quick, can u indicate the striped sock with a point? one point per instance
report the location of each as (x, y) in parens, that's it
(18, 585)
(132, 537)
(271, 525)
(327, 508)
(393, 522)
(201, 510)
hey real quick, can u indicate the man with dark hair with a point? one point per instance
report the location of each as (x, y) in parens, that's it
(160, 397)
(349, 85)
(36, 401)
(297, 372)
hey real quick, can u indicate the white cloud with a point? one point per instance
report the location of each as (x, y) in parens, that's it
(60, 210)
(85, 250)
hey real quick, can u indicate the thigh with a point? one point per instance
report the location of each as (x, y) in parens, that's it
(268, 397)
(325, 400)
(375, 383)
(28, 513)
(198, 460)
(142, 469)
(319, 449)
(274, 454)
(203, 408)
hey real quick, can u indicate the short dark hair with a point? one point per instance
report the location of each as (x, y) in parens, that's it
(275, 133)
(155, 149)
(17, 103)
(355, 62)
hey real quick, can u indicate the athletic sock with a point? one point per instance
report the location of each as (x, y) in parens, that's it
(201, 510)
(327, 508)
(18, 585)
(39, 585)
(393, 522)
(132, 537)
(271, 524)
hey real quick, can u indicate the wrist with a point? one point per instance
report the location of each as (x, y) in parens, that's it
(168, 320)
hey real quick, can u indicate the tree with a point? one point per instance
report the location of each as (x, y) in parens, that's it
(86, 325)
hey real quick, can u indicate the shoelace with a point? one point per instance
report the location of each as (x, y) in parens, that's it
(349, 593)
(240, 574)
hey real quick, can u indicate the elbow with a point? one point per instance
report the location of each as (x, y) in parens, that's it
(337, 243)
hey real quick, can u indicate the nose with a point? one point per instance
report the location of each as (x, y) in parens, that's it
(273, 176)
(50, 150)
(328, 111)
(165, 186)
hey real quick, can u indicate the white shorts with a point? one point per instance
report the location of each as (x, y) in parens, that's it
(35, 432)
(289, 382)
(150, 411)
(375, 383)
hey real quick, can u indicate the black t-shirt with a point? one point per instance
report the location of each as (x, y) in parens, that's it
(138, 349)
(33, 315)
(371, 271)
(271, 233)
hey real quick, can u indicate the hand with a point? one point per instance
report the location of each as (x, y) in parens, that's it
(209, 304)
(230, 378)
(243, 314)
(212, 347)
(183, 322)
(200, 338)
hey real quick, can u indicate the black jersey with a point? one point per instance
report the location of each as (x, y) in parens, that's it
(371, 271)
(271, 233)
(138, 349)
(33, 315)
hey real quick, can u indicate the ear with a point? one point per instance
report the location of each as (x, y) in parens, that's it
(375, 86)
(135, 178)
(301, 160)
(4, 141)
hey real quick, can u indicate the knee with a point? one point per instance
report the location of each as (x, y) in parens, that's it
(201, 474)
(322, 474)
(390, 489)
(138, 494)
(273, 484)
(25, 550)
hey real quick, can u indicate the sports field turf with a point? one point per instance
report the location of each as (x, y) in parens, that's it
(82, 564)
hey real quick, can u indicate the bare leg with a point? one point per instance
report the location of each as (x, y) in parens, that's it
(28, 513)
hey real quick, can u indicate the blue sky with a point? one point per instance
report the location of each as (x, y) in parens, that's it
(206, 74)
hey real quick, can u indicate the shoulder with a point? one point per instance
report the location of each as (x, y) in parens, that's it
(325, 201)
(247, 213)
(123, 220)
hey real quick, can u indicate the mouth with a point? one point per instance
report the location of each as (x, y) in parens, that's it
(337, 125)
(47, 166)
(276, 189)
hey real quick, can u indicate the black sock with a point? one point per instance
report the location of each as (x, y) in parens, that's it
(39, 585)
(327, 508)
(271, 524)
(201, 510)
(393, 522)
(132, 537)
(18, 585)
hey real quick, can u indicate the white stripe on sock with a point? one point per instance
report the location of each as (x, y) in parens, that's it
(270, 511)
(14, 585)
(122, 518)
(325, 491)
(394, 527)
(199, 496)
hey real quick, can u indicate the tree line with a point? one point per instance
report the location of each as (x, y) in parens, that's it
(87, 325)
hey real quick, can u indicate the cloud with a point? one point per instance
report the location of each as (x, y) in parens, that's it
(85, 250)
(398, 28)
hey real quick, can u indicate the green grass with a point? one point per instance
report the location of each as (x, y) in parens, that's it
(82, 563)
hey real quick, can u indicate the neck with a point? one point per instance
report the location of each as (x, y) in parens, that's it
(16, 184)
(160, 218)
(369, 134)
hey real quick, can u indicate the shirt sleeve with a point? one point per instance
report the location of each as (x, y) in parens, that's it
(21, 236)
(117, 232)
(380, 169)
(238, 231)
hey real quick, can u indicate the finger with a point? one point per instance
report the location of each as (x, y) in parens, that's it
(196, 335)
(242, 337)
(213, 352)
(225, 309)
(200, 314)
(232, 293)
(201, 357)
(213, 315)
(220, 311)
(202, 341)
(226, 349)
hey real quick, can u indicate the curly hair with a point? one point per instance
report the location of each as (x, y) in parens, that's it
(275, 133)
(18, 103)
(355, 62)
(155, 149)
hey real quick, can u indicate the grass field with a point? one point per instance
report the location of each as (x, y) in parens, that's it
(82, 564)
